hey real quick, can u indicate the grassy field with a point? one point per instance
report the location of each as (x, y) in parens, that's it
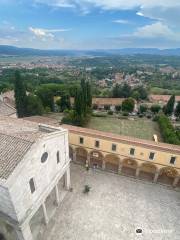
(140, 128)
(156, 90)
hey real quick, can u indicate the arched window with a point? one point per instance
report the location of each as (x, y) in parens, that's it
(44, 157)
(32, 185)
(58, 157)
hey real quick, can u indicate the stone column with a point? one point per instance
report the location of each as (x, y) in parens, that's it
(57, 195)
(74, 155)
(120, 168)
(103, 165)
(137, 172)
(46, 219)
(24, 233)
(67, 179)
(88, 158)
(176, 180)
(156, 177)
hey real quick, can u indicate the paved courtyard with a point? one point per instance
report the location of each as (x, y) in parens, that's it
(115, 207)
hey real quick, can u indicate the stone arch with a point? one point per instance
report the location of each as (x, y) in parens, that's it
(71, 153)
(81, 155)
(129, 166)
(112, 163)
(96, 159)
(147, 171)
(167, 175)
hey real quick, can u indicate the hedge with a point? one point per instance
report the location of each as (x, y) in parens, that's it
(167, 130)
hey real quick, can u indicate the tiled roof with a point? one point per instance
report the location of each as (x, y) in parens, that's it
(43, 120)
(19, 128)
(104, 101)
(124, 139)
(6, 110)
(16, 138)
(162, 98)
(12, 150)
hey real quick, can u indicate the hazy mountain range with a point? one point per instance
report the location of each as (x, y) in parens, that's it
(11, 50)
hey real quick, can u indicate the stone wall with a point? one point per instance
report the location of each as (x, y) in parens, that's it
(43, 173)
(6, 206)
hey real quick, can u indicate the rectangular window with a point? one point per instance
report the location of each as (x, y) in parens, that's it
(114, 147)
(81, 140)
(58, 157)
(151, 155)
(132, 151)
(173, 160)
(32, 185)
(97, 144)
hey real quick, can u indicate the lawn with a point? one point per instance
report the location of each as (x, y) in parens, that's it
(140, 128)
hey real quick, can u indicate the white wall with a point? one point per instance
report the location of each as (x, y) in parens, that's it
(6, 205)
(43, 173)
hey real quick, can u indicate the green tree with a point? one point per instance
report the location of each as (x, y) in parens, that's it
(118, 108)
(143, 93)
(64, 102)
(155, 108)
(167, 130)
(46, 94)
(169, 108)
(177, 111)
(128, 105)
(82, 105)
(126, 90)
(20, 95)
(136, 95)
(33, 106)
(143, 108)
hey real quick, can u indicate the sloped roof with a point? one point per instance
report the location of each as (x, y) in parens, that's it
(12, 150)
(43, 120)
(162, 98)
(104, 101)
(6, 110)
(16, 138)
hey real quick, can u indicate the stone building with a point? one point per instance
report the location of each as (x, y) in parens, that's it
(147, 160)
(33, 159)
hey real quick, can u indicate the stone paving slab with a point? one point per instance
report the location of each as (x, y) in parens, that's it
(115, 207)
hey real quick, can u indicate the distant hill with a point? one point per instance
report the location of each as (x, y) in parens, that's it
(15, 51)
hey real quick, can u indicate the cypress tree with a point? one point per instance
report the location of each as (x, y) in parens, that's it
(89, 95)
(177, 111)
(20, 95)
(169, 108)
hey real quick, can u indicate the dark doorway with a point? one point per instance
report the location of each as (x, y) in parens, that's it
(2, 237)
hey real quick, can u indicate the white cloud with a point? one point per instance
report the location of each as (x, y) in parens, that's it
(121, 21)
(156, 34)
(157, 29)
(46, 33)
(111, 4)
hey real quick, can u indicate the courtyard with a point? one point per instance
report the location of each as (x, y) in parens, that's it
(113, 209)
(135, 127)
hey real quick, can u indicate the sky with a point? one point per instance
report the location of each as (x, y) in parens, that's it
(90, 24)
